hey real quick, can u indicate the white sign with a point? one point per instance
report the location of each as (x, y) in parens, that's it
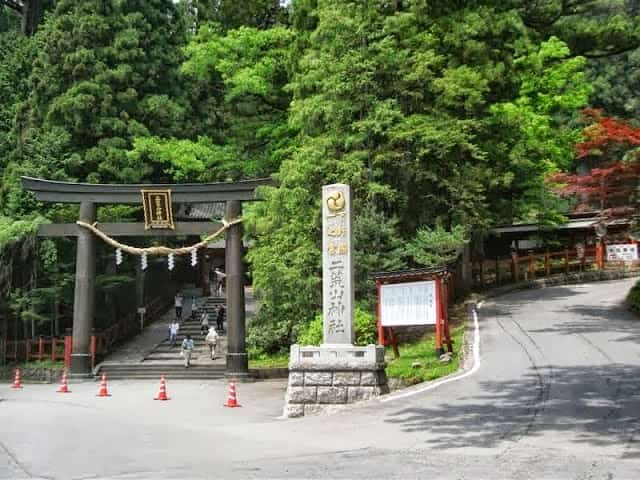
(408, 304)
(626, 252)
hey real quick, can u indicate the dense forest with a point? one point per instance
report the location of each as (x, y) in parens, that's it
(445, 117)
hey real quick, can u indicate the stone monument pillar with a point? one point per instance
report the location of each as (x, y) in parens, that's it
(336, 372)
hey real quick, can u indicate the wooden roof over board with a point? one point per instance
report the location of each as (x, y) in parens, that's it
(70, 192)
(415, 274)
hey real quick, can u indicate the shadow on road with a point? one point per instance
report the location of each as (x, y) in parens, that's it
(595, 405)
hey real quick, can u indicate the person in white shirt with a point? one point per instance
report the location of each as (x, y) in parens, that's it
(173, 332)
(187, 348)
(212, 341)
(178, 303)
(204, 323)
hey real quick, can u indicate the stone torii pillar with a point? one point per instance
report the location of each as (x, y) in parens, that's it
(84, 294)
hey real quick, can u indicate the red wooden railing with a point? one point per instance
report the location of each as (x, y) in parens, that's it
(100, 343)
(517, 268)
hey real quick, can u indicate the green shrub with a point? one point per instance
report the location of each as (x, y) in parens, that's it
(365, 325)
(633, 298)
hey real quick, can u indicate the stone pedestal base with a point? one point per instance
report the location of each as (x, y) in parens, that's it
(321, 378)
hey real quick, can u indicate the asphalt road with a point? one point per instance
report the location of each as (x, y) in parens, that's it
(557, 396)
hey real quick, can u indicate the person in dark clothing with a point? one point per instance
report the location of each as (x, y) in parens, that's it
(220, 318)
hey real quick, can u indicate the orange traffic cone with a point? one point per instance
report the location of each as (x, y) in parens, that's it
(103, 387)
(16, 380)
(64, 386)
(232, 399)
(162, 393)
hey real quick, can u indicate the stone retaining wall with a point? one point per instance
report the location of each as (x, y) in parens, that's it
(41, 375)
(568, 279)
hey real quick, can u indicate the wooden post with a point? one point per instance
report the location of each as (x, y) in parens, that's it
(53, 349)
(83, 305)
(92, 351)
(439, 349)
(547, 263)
(566, 261)
(41, 348)
(600, 255)
(394, 343)
(378, 315)
(28, 351)
(68, 347)
(532, 265)
(515, 274)
(445, 317)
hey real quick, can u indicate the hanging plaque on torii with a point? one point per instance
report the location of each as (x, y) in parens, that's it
(158, 209)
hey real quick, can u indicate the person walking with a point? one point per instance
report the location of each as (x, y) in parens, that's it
(187, 348)
(178, 301)
(194, 309)
(173, 332)
(220, 318)
(212, 342)
(204, 322)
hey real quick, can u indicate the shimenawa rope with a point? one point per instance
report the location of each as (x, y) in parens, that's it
(162, 250)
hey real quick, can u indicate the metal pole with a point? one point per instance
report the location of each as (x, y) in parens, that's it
(83, 304)
(237, 360)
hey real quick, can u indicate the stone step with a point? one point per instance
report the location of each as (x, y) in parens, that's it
(175, 371)
(184, 375)
(157, 367)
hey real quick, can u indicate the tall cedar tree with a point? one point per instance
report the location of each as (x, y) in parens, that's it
(107, 71)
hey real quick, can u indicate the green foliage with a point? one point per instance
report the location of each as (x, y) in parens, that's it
(14, 230)
(252, 67)
(364, 323)
(231, 14)
(260, 360)
(433, 247)
(536, 132)
(312, 333)
(633, 299)
(186, 160)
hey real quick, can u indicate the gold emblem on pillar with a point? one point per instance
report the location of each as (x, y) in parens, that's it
(336, 202)
(158, 211)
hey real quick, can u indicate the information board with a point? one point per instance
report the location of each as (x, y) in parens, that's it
(625, 252)
(408, 304)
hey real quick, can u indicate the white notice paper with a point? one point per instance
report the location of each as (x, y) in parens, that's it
(408, 304)
(627, 252)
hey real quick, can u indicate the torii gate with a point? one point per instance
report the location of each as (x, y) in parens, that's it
(89, 195)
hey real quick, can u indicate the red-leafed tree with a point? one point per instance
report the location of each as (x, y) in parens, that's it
(611, 145)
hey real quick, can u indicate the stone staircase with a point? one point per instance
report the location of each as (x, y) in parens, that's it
(166, 360)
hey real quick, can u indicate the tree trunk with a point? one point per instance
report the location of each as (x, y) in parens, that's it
(31, 15)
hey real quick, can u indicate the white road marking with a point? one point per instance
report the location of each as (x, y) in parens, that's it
(474, 369)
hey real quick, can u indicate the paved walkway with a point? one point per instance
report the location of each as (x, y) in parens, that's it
(139, 346)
